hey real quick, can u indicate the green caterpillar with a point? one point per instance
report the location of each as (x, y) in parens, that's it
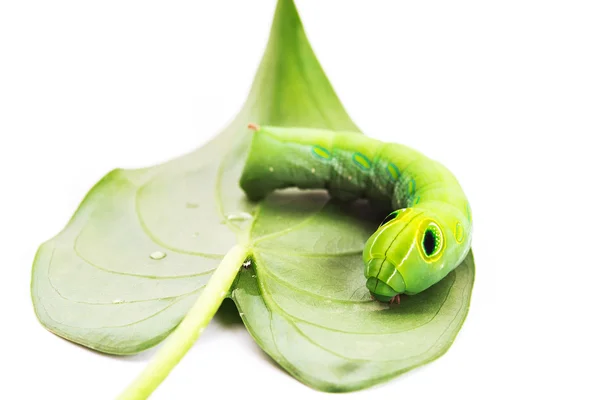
(415, 246)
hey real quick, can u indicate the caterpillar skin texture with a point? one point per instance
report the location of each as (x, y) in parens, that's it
(417, 245)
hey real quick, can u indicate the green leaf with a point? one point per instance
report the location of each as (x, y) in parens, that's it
(101, 282)
(308, 306)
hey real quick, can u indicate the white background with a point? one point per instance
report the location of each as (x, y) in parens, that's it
(506, 94)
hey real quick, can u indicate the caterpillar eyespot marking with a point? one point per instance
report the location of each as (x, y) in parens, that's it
(361, 161)
(459, 233)
(321, 152)
(389, 218)
(432, 242)
(393, 171)
(417, 245)
(412, 186)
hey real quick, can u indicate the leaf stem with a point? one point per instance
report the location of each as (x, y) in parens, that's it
(187, 332)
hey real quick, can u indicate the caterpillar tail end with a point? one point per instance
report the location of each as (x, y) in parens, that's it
(253, 126)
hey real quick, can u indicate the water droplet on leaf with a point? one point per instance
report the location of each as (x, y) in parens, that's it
(157, 255)
(241, 216)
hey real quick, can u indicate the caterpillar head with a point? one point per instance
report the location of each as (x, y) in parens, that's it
(405, 255)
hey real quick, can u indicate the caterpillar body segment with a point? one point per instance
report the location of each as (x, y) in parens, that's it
(417, 245)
